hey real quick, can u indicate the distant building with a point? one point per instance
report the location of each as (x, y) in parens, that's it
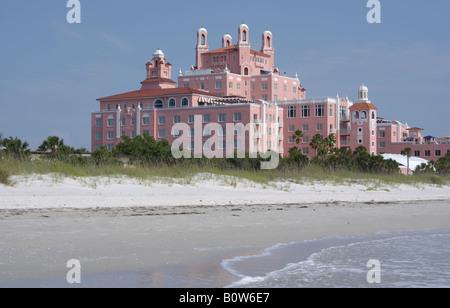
(394, 137)
(159, 105)
(238, 70)
(238, 85)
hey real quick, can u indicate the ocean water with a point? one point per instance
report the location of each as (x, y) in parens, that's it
(408, 259)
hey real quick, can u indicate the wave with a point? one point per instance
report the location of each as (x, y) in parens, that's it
(408, 259)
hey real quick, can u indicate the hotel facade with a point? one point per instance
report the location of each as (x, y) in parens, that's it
(240, 88)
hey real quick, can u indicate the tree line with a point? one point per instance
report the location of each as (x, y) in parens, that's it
(145, 150)
(53, 145)
(328, 156)
(441, 166)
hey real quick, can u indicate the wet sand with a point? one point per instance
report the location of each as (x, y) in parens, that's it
(181, 246)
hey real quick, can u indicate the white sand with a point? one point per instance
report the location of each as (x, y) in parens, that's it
(176, 235)
(58, 192)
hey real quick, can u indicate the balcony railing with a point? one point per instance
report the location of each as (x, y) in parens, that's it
(198, 72)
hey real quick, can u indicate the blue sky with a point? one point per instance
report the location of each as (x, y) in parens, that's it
(52, 72)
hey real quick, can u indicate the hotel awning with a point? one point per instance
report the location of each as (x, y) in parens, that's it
(206, 100)
(225, 100)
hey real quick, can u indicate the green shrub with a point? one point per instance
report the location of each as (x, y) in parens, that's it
(4, 175)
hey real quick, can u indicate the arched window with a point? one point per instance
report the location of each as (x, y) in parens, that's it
(185, 102)
(356, 115)
(227, 43)
(159, 104)
(172, 103)
(203, 39)
(268, 41)
(244, 36)
(246, 71)
(373, 115)
(363, 115)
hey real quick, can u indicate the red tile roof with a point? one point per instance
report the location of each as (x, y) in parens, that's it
(158, 93)
(363, 106)
(158, 80)
(259, 53)
(224, 49)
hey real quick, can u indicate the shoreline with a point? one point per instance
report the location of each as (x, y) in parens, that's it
(182, 242)
(180, 210)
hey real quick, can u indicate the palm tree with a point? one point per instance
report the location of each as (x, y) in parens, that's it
(102, 155)
(362, 158)
(298, 136)
(442, 165)
(1, 142)
(407, 151)
(317, 143)
(330, 144)
(16, 148)
(1, 146)
(51, 144)
(331, 141)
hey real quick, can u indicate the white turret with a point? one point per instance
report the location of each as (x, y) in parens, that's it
(363, 93)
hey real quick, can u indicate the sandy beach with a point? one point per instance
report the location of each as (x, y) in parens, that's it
(134, 234)
(55, 191)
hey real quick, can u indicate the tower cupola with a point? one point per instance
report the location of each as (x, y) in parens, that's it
(227, 40)
(363, 93)
(243, 33)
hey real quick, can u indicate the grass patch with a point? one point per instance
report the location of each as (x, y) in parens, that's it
(173, 174)
(4, 175)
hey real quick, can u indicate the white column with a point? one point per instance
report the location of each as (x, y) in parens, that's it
(277, 128)
(338, 114)
(263, 127)
(138, 121)
(118, 123)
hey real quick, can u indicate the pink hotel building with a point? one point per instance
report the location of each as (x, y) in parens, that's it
(236, 84)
